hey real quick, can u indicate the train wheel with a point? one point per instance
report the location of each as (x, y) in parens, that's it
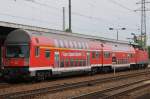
(48, 75)
(94, 70)
(106, 69)
(145, 66)
(40, 76)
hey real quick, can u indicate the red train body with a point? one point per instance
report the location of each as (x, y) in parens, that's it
(41, 55)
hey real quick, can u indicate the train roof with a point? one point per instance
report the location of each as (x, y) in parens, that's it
(25, 36)
(46, 30)
(53, 31)
(51, 39)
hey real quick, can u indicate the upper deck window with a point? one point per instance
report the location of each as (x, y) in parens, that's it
(17, 51)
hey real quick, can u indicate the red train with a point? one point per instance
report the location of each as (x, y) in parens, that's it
(41, 55)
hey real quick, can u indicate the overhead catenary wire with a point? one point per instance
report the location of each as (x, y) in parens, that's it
(120, 5)
(25, 18)
(77, 13)
(73, 13)
(81, 14)
(97, 18)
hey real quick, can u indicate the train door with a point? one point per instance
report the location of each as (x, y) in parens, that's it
(57, 59)
(88, 59)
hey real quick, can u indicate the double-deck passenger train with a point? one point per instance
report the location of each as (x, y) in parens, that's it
(42, 55)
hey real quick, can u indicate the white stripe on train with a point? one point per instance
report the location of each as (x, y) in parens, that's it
(75, 68)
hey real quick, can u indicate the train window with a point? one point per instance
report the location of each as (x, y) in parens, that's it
(65, 43)
(80, 63)
(56, 43)
(17, 51)
(47, 53)
(127, 61)
(66, 61)
(62, 63)
(93, 54)
(61, 43)
(71, 62)
(106, 54)
(84, 63)
(87, 46)
(77, 62)
(78, 45)
(82, 44)
(70, 44)
(130, 55)
(37, 51)
(114, 59)
(118, 61)
(97, 54)
(75, 44)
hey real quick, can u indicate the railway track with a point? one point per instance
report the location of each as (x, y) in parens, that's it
(114, 92)
(58, 88)
(4, 85)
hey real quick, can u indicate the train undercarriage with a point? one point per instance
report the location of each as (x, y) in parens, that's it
(39, 75)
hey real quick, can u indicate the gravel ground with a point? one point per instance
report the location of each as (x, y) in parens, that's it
(31, 86)
(141, 94)
(74, 92)
(28, 86)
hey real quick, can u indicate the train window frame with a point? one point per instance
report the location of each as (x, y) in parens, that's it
(62, 63)
(93, 55)
(84, 62)
(114, 59)
(77, 60)
(75, 44)
(56, 42)
(130, 55)
(70, 44)
(80, 62)
(47, 51)
(97, 55)
(61, 43)
(66, 45)
(87, 46)
(37, 51)
(79, 45)
(107, 54)
(66, 62)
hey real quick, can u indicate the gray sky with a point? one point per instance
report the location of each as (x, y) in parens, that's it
(91, 17)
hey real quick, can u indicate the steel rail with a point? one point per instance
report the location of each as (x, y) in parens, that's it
(103, 94)
(123, 93)
(58, 88)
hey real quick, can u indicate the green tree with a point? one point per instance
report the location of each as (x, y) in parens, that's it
(67, 30)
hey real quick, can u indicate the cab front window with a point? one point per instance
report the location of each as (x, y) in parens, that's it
(17, 51)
